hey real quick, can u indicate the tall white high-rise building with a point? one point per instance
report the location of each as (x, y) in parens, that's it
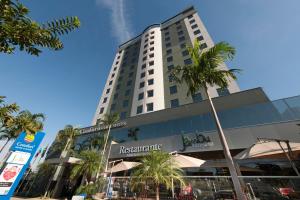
(139, 80)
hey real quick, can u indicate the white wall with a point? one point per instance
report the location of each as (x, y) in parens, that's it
(158, 98)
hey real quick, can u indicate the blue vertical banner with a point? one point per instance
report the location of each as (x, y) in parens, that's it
(21, 153)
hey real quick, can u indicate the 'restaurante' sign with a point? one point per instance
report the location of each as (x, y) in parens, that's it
(139, 149)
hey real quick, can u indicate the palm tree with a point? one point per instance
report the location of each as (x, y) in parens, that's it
(64, 141)
(6, 117)
(67, 137)
(24, 121)
(156, 167)
(28, 122)
(9, 135)
(87, 166)
(204, 72)
(108, 120)
(6, 112)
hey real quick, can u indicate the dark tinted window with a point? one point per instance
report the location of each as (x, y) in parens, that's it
(139, 109)
(174, 103)
(173, 89)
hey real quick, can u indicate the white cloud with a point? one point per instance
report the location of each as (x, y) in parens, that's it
(121, 28)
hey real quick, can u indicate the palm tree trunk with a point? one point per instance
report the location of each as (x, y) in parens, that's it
(236, 182)
(103, 153)
(157, 192)
(4, 145)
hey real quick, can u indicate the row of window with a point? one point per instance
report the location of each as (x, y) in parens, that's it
(149, 107)
(150, 93)
(151, 33)
(150, 82)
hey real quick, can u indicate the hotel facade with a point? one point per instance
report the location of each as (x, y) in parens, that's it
(157, 114)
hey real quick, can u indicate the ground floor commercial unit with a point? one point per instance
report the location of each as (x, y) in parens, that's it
(190, 130)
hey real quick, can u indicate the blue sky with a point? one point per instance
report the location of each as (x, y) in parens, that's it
(66, 85)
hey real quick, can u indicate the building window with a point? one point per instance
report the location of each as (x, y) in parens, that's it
(130, 74)
(118, 86)
(142, 84)
(143, 75)
(196, 32)
(192, 21)
(167, 33)
(177, 23)
(139, 109)
(117, 62)
(149, 107)
(167, 39)
(152, 32)
(194, 26)
(182, 46)
(190, 16)
(107, 91)
(151, 71)
(125, 103)
(113, 75)
(118, 57)
(170, 59)
(146, 40)
(152, 37)
(151, 81)
(145, 52)
(115, 68)
(146, 35)
(127, 92)
(129, 82)
(151, 43)
(141, 96)
(185, 53)
(123, 115)
(145, 46)
(170, 67)
(223, 91)
(151, 49)
(101, 110)
(188, 61)
(179, 27)
(151, 63)
(199, 38)
(181, 39)
(173, 89)
(171, 78)
(143, 66)
(104, 100)
(150, 93)
(168, 44)
(169, 51)
(116, 96)
(122, 71)
(203, 46)
(151, 55)
(110, 82)
(197, 97)
(174, 103)
(113, 107)
(180, 33)
(145, 58)
(132, 67)
(120, 78)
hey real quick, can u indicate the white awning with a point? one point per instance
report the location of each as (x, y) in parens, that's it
(266, 148)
